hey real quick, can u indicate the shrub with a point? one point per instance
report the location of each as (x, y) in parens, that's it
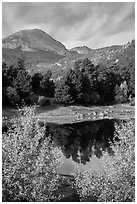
(30, 162)
(13, 96)
(121, 93)
(53, 101)
(35, 82)
(5, 99)
(132, 102)
(117, 182)
(34, 98)
(43, 101)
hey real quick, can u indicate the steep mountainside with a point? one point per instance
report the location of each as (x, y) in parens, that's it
(33, 40)
(34, 58)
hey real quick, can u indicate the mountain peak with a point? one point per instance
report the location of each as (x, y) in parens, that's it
(33, 30)
(33, 40)
(29, 30)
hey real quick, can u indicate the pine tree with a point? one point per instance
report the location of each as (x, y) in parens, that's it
(63, 93)
(35, 82)
(47, 87)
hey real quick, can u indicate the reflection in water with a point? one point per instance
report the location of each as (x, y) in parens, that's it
(80, 141)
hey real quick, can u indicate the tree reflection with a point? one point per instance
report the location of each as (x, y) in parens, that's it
(81, 141)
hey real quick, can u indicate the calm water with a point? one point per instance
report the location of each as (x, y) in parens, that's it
(83, 143)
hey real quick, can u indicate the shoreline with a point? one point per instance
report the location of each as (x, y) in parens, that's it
(74, 114)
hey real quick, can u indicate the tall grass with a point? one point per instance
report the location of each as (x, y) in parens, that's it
(30, 162)
(117, 182)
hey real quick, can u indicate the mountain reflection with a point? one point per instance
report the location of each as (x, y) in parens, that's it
(81, 141)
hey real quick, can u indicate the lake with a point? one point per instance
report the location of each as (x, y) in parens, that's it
(83, 143)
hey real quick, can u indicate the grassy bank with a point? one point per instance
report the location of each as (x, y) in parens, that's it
(71, 114)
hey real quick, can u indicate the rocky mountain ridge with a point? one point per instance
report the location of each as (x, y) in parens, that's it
(42, 52)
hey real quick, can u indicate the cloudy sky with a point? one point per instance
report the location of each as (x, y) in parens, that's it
(74, 24)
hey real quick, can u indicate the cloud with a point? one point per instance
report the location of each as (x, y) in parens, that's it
(73, 24)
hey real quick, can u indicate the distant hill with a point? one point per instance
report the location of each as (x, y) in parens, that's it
(105, 56)
(97, 56)
(81, 50)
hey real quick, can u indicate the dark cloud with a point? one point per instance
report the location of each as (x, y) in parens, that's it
(74, 24)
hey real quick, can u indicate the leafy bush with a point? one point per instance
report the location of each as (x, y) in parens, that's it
(30, 162)
(13, 96)
(43, 101)
(34, 98)
(53, 101)
(121, 93)
(132, 102)
(117, 182)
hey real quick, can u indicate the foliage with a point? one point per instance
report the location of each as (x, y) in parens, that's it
(125, 66)
(35, 82)
(16, 77)
(132, 102)
(9, 73)
(63, 93)
(121, 93)
(34, 98)
(117, 182)
(74, 81)
(76, 86)
(88, 84)
(47, 85)
(30, 161)
(43, 101)
(84, 83)
(88, 74)
(22, 80)
(106, 83)
(26, 88)
(12, 95)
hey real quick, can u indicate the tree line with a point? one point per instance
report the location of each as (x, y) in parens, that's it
(84, 84)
